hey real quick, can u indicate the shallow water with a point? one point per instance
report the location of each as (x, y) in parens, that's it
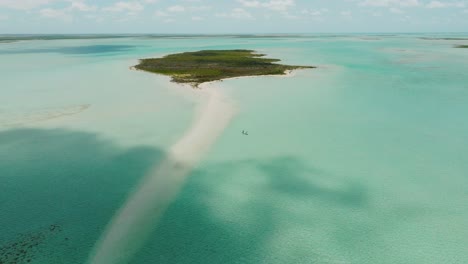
(363, 160)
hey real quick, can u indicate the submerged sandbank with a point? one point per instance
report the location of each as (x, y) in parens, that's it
(130, 227)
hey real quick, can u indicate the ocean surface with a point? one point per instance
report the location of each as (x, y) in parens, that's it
(363, 160)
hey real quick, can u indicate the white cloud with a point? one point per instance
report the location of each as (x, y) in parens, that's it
(160, 13)
(200, 8)
(236, 13)
(23, 4)
(435, 4)
(405, 18)
(132, 7)
(346, 13)
(278, 5)
(176, 8)
(171, 12)
(288, 15)
(314, 12)
(439, 4)
(82, 6)
(97, 18)
(55, 13)
(247, 3)
(396, 10)
(387, 3)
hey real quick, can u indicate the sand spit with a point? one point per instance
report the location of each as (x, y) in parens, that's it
(132, 224)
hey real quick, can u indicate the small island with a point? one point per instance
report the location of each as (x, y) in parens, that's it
(198, 67)
(461, 46)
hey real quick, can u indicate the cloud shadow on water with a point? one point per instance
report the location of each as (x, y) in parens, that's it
(78, 180)
(213, 222)
(73, 179)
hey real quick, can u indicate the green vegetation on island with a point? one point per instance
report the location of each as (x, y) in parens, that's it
(212, 65)
(462, 46)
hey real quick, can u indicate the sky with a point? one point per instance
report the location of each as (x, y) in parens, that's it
(231, 16)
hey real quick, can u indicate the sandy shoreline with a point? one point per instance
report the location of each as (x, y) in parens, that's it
(287, 74)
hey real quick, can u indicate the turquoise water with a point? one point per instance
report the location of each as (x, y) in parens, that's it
(363, 160)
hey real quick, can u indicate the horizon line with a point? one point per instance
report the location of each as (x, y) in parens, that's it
(233, 34)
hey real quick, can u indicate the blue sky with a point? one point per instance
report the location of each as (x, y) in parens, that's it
(232, 16)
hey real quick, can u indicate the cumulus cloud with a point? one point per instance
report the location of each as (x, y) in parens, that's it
(132, 7)
(176, 8)
(389, 3)
(278, 5)
(160, 13)
(439, 4)
(236, 13)
(314, 12)
(56, 14)
(396, 10)
(173, 11)
(200, 8)
(435, 4)
(197, 18)
(346, 13)
(82, 6)
(24, 4)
